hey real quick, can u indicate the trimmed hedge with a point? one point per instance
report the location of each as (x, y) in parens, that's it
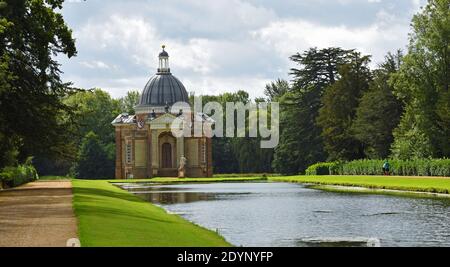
(418, 167)
(323, 168)
(16, 176)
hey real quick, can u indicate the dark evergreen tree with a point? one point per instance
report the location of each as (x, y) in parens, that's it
(224, 158)
(300, 141)
(379, 111)
(339, 109)
(275, 90)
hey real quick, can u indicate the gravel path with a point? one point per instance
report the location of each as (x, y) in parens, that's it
(38, 214)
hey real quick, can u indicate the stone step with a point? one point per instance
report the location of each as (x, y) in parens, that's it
(168, 173)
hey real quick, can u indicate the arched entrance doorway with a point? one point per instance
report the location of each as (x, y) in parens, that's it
(166, 159)
(167, 155)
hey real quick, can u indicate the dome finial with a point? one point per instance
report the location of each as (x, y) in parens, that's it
(163, 46)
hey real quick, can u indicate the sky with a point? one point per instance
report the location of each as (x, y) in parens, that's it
(219, 46)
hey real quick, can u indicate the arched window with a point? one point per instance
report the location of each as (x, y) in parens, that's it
(128, 152)
(204, 151)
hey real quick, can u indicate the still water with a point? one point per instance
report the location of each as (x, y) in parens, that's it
(283, 214)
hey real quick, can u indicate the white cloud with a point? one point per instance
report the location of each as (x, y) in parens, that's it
(117, 87)
(142, 41)
(96, 65)
(203, 60)
(219, 46)
(293, 35)
(213, 85)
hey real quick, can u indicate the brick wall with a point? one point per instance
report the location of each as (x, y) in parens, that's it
(119, 172)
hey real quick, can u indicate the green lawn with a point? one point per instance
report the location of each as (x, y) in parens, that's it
(108, 216)
(418, 184)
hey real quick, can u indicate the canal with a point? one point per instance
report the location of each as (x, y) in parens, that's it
(293, 215)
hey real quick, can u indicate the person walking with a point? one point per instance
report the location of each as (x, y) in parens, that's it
(387, 168)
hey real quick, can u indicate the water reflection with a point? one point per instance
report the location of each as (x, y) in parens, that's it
(281, 214)
(170, 198)
(339, 242)
(161, 194)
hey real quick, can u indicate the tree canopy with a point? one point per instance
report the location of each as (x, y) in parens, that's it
(339, 104)
(379, 111)
(422, 83)
(334, 107)
(32, 33)
(301, 142)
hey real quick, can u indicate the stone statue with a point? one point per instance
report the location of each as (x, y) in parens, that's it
(182, 168)
(167, 107)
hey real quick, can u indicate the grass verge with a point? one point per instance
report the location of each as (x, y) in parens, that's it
(388, 192)
(416, 184)
(110, 217)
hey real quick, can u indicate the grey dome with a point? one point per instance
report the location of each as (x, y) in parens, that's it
(163, 54)
(162, 89)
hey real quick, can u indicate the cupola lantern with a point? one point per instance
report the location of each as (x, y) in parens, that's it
(164, 61)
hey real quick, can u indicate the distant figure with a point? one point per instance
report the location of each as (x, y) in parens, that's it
(182, 168)
(387, 168)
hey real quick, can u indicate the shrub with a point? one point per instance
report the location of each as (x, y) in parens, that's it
(362, 167)
(416, 167)
(323, 168)
(16, 176)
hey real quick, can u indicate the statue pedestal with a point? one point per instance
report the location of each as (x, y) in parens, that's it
(181, 174)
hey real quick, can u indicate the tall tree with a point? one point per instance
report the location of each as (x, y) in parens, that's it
(96, 110)
(94, 161)
(339, 109)
(275, 90)
(318, 68)
(300, 141)
(238, 155)
(423, 84)
(128, 102)
(225, 158)
(379, 111)
(32, 33)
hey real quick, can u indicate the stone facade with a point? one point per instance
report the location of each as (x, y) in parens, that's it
(153, 151)
(145, 145)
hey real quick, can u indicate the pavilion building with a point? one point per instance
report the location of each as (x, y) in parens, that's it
(145, 144)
